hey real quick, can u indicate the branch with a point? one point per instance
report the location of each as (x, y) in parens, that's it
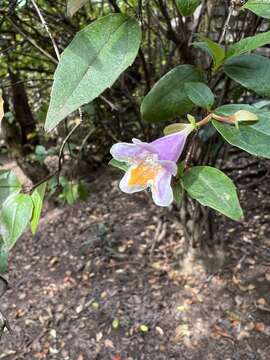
(29, 39)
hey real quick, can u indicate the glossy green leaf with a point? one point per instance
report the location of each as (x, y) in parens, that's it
(37, 198)
(168, 98)
(211, 187)
(248, 44)
(118, 164)
(74, 5)
(259, 7)
(15, 214)
(251, 71)
(187, 7)
(91, 63)
(8, 184)
(255, 138)
(200, 94)
(215, 50)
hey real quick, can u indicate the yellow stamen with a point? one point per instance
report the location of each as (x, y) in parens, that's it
(143, 174)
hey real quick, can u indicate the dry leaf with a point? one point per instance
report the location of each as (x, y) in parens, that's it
(260, 327)
(99, 336)
(261, 301)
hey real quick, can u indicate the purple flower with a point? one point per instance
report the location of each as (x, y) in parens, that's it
(152, 164)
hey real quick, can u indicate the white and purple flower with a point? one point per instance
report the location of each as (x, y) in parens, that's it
(152, 164)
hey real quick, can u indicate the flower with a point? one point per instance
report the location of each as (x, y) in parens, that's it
(152, 164)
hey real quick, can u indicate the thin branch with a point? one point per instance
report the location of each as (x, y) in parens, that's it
(227, 22)
(33, 42)
(47, 29)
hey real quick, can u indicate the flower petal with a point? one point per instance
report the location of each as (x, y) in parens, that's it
(162, 193)
(169, 166)
(124, 151)
(145, 146)
(170, 147)
(125, 181)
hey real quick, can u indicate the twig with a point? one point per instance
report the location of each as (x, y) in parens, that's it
(44, 52)
(47, 29)
(227, 22)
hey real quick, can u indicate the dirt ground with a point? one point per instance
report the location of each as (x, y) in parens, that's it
(102, 280)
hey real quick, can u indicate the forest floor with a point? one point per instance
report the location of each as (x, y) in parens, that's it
(102, 279)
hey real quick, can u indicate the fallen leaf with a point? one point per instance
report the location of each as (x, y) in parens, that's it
(144, 328)
(108, 343)
(181, 331)
(260, 327)
(261, 301)
(99, 336)
(159, 330)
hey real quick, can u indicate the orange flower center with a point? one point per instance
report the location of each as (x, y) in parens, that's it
(144, 173)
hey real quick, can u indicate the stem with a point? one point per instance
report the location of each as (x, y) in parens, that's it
(224, 119)
(47, 29)
(205, 120)
(227, 22)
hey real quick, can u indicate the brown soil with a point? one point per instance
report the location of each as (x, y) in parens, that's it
(91, 285)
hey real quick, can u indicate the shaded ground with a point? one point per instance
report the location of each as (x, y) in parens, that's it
(90, 285)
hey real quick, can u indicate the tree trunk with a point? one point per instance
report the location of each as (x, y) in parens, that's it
(18, 134)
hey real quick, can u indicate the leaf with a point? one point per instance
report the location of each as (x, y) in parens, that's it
(9, 184)
(259, 7)
(37, 198)
(187, 7)
(14, 217)
(255, 138)
(92, 62)
(118, 164)
(215, 50)
(200, 94)
(3, 258)
(173, 128)
(74, 5)
(251, 71)
(177, 192)
(248, 44)
(211, 187)
(115, 324)
(144, 328)
(168, 99)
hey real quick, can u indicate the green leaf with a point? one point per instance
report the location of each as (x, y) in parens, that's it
(255, 138)
(251, 71)
(248, 44)
(211, 187)
(14, 217)
(92, 62)
(3, 258)
(9, 184)
(37, 198)
(187, 7)
(118, 164)
(200, 94)
(215, 50)
(173, 128)
(74, 5)
(259, 7)
(168, 98)
(177, 192)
